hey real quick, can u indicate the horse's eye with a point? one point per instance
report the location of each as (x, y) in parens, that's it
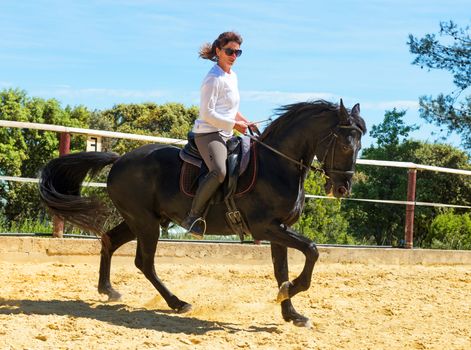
(346, 148)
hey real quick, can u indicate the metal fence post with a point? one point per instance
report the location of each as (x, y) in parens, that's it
(64, 143)
(410, 209)
(64, 148)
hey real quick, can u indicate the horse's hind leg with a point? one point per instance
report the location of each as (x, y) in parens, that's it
(147, 231)
(110, 241)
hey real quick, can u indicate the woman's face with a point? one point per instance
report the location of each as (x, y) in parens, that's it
(228, 54)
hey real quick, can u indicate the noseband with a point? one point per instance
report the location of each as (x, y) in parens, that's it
(331, 138)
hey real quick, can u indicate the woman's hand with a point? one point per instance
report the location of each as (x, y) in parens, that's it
(241, 126)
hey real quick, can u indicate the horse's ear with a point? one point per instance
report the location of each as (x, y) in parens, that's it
(356, 110)
(343, 113)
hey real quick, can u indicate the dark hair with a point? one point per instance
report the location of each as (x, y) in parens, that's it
(208, 50)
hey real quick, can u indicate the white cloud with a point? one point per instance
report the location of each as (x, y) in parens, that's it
(399, 104)
(280, 97)
(67, 91)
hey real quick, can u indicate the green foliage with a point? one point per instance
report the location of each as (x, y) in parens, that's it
(322, 219)
(452, 53)
(377, 223)
(23, 152)
(392, 130)
(450, 231)
(439, 187)
(12, 144)
(34, 226)
(171, 120)
(384, 223)
(26, 226)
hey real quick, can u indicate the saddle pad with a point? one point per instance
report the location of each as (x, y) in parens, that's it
(189, 177)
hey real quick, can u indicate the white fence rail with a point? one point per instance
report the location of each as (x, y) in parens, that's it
(90, 132)
(35, 180)
(382, 201)
(165, 140)
(413, 167)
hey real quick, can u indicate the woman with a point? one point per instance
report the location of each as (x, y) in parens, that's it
(219, 115)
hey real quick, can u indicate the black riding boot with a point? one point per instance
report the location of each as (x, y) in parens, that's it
(194, 222)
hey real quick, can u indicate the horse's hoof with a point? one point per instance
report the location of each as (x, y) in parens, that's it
(184, 308)
(283, 292)
(114, 296)
(302, 322)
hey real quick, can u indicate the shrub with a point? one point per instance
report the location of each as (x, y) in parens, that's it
(450, 231)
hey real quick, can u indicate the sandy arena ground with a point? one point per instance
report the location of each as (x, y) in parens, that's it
(351, 306)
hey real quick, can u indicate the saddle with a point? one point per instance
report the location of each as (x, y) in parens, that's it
(240, 176)
(238, 148)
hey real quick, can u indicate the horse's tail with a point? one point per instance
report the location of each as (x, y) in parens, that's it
(60, 184)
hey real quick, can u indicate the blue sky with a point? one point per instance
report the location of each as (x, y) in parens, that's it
(100, 53)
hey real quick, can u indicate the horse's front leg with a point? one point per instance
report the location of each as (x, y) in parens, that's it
(282, 237)
(280, 263)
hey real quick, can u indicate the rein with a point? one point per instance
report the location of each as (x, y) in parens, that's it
(301, 164)
(332, 139)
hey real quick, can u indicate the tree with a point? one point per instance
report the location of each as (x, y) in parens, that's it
(373, 222)
(450, 231)
(453, 54)
(23, 152)
(392, 131)
(168, 120)
(171, 120)
(384, 223)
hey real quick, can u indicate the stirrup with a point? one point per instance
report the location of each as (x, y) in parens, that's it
(196, 234)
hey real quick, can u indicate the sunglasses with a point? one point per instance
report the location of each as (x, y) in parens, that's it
(230, 52)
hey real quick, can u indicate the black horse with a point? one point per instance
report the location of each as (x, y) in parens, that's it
(144, 186)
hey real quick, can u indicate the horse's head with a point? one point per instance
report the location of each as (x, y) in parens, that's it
(338, 150)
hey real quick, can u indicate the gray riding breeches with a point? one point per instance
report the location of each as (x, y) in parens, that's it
(213, 150)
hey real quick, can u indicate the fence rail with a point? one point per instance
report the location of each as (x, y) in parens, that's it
(384, 201)
(413, 167)
(90, 132)
(166, 140)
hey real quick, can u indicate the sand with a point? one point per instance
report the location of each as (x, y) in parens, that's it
(352, 306)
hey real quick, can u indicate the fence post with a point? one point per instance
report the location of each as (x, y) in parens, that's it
(410, 209)
(64, 148)
(64, 143)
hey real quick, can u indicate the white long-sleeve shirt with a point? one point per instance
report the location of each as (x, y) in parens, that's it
(219, 102)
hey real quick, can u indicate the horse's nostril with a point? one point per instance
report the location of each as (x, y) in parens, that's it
(342, 190)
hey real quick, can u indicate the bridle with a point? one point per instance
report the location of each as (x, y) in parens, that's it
(330, 139)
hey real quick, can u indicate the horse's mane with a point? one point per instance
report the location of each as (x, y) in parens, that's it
(289, 114)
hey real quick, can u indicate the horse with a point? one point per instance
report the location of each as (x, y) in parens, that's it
(143, 185)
